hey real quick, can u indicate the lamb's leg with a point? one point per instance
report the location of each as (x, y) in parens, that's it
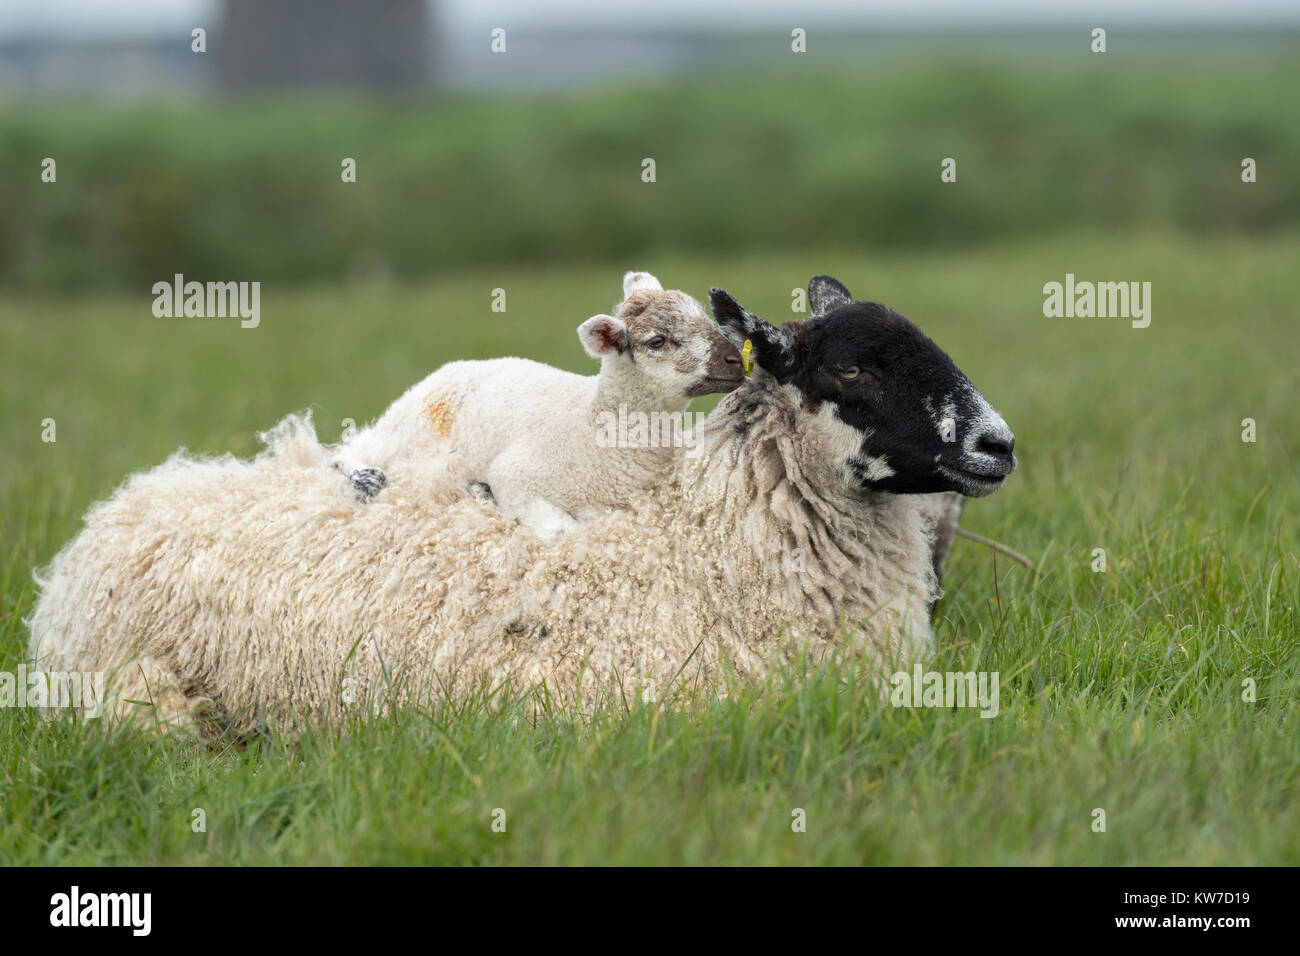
(363, 472)
(368, 482)
(481, 491)
(367, 449)
(547, 521)
(351, 462)
(409, 427)
(514, 481)
(362, 458)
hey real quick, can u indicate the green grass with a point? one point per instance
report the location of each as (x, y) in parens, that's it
(1120, 690)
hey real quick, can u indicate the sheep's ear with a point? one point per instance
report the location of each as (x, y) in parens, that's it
(772, 349)
(603, 335)
(634, 282)
(826, 295)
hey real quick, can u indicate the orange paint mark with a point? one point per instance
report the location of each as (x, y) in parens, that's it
(439, 413)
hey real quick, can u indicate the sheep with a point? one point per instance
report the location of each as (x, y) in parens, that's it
(241, 594)
(544, 443)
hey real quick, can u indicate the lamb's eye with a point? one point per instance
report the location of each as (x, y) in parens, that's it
(850, 373)
(657, 342)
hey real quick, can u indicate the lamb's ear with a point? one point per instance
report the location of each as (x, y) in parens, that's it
(603, 335)
(826, 295)
(634, 282)
(773, 347)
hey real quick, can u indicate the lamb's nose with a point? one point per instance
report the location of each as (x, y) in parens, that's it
(732, 357)
(996, 443)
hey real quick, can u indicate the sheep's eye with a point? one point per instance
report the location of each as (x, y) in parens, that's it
(850, 373)
(657, 342)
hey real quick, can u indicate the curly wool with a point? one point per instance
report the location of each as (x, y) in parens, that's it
(262, 590)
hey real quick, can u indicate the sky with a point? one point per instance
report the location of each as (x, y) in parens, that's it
(124, 18)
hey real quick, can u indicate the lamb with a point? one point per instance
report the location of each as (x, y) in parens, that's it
(241, 594)
(544, 442)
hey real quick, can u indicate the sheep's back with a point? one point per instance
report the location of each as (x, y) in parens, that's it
(267, 587)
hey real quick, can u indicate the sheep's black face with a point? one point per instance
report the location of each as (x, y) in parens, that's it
(900, 415)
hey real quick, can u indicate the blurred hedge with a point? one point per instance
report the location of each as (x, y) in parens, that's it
(251, 190)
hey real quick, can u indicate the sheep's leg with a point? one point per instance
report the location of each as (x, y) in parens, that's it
(149, 692)
(947, 518)
(942, 514)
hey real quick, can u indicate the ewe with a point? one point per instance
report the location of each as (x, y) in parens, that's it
(538, 436)
(799, 524)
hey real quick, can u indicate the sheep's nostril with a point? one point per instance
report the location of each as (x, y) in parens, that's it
(999, 446)
(732, 357)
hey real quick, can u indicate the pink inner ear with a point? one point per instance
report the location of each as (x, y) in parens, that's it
(606, 337)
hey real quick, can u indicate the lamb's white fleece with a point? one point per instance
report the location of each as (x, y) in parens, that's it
(539, 436)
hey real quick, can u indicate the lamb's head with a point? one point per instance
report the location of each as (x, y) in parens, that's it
(898, 414)
(664, 338)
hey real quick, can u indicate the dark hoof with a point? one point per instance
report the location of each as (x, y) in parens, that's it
(368, 482)
(479, 490)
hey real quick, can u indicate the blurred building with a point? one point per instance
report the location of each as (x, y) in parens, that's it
(141, 50)
(310, 44)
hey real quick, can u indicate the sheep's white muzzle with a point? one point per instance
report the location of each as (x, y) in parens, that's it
(986, 455)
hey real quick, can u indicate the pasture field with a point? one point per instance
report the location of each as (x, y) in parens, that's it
(781, 153)
(1120, 690)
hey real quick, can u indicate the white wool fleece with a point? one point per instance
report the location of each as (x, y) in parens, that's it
(260, 590)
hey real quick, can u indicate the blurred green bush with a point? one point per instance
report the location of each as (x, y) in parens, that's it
(778, 160)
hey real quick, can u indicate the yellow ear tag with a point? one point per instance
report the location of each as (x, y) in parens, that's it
(746, 362)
